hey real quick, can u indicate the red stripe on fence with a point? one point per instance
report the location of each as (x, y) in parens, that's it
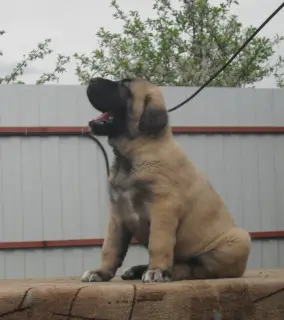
(176, 129)
(98, 242)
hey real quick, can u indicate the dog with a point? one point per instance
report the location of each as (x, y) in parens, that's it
(158, 196)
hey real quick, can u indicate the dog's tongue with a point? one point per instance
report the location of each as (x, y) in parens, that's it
(102, 116)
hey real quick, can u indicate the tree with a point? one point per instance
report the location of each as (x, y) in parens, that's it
(182, 47)
(40, 52)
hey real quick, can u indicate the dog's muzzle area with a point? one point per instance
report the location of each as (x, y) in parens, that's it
(100, 92)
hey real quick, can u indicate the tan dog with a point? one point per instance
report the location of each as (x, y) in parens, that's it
(158, 195)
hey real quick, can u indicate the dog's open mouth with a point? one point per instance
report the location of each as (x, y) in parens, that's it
(103, 118)
(102, 124)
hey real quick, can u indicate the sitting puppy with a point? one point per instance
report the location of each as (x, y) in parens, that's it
(158, 195)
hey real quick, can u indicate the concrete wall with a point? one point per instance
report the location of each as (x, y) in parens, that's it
(55, 187)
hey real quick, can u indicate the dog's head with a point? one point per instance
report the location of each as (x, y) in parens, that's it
(130, 108)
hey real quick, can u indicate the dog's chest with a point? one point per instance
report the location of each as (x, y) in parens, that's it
(130, 197)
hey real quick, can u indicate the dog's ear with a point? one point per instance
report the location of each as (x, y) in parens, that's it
(153, 118)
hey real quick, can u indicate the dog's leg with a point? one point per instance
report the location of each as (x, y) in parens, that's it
(162, 239)
(113, 251)
(181, 271)
(186, 271)
(227, 259)
(134, 273)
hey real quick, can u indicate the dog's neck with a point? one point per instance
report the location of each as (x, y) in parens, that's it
(142, 147)
(121, 161)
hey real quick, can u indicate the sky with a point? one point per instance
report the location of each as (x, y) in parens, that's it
(72, 24)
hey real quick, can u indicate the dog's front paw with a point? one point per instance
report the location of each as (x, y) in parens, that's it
(156, 275)
(96, 276)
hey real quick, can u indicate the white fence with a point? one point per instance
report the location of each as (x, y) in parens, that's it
(54, 188)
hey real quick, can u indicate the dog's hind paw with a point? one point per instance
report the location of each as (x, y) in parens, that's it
(128, 274)
(156, 275)
(134, 273)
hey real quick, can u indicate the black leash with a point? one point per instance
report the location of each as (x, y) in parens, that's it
(103, 151)
(206, 83)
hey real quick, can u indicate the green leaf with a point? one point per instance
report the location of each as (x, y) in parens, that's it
(182, 47)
